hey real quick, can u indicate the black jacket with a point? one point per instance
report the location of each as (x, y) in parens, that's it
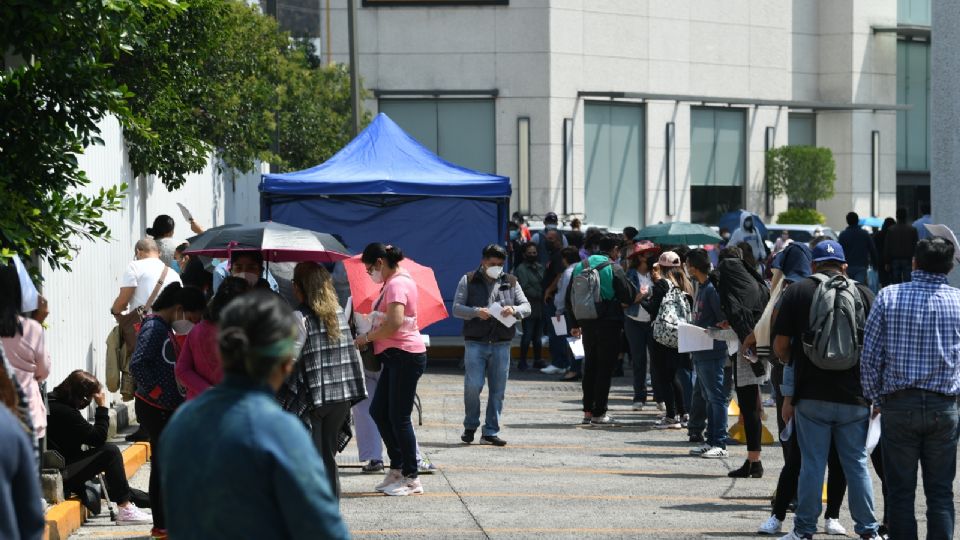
(67, 429)
(743, 294)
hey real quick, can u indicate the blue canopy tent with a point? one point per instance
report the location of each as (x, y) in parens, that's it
(384, 186)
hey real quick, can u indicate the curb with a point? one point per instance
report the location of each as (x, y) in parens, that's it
(65, 518)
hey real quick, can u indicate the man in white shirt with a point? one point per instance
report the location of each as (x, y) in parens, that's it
(141, 277)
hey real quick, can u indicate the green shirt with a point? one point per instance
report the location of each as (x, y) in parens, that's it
(606, 275)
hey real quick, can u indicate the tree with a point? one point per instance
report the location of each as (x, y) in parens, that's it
(805, 174)
(314, 101)
(203, 81)
(50, 104)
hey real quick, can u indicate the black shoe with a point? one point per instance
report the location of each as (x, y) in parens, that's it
(539, 365)
(748, 470)
(491, 439)
(697, 438)
(467, 435)
(140, 435)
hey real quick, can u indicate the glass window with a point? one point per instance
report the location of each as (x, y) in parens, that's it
(717, 162)
(802, 130)
(461, 131)
(613, 156)
(913, 88)
(916, 12)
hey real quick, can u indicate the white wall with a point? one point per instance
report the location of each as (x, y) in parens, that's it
(80, 300)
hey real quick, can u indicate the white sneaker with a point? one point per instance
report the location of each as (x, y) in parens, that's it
(131, 514)
(698, 451)
(638, 405)
(833, 526)
(552, 370)
(393, 476)
(792, 536)
(661, 406)
(771, 526)
(406, 486)
(715, 453)
(667, 423)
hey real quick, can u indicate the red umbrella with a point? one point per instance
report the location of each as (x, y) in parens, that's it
(430, 308)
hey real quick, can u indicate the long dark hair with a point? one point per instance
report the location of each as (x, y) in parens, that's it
(10, 300)
(231, 288)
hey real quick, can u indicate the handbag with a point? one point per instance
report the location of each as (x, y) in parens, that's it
(128, 321)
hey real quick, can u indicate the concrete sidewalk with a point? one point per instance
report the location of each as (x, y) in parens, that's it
(554, 479)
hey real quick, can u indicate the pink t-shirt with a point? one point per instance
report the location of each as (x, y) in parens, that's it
(401, 289)
(199, 365)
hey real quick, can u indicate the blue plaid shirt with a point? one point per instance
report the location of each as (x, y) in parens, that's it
(913, 338)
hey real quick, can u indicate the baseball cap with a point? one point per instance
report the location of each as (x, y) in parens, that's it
(551, 216)
(669, 259)
(828, 250)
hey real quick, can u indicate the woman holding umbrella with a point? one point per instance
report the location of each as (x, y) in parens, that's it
(396, 341)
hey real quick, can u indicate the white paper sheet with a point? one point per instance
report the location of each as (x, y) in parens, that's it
(559, 325)
(691, 338)
(364, 322)
(787, 431)
(733, 345)
(576, 347)
(495, 309)
(873, 433)
(944, 232)
(186, 213)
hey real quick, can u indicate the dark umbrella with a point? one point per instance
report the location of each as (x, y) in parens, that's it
(277, 243)
(679, 233)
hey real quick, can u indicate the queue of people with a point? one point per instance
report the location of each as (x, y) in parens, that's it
(260, 393)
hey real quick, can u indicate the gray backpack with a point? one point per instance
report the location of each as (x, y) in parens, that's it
(585, 291)
(837, 318)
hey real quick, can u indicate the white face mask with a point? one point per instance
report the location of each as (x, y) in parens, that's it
(493, 272)
(250, 278)
(377, 275)
(182, 327)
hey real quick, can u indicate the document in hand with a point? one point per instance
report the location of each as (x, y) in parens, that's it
(873, 433)
(559, 325)
(495, 309)
(576, 347)
(692, 338)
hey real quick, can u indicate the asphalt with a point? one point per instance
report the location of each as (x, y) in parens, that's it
(555, 478)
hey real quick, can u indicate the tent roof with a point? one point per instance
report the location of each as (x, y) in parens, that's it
(383, 159)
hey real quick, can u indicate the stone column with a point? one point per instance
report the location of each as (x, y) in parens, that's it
(945, 117)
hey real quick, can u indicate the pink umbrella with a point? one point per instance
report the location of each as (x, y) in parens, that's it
(430, 307)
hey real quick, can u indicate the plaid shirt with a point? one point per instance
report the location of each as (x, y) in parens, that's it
(327, 371)
(912, 338)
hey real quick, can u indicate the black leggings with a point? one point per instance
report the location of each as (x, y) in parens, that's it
(326, 422)
(748, 398)
(107, 460)
(154, 419)
(667, 362)
(790, 477)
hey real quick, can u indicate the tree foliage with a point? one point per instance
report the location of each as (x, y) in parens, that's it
(801, 216)
(57, 87)
(184, 79)
(805, 174)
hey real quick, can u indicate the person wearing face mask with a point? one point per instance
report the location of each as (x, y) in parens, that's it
(748, 233)
(547, 244)
(157, 392)
(487, 340)
(247, 265)
(234, 464)
(397, 342)
(530, 275)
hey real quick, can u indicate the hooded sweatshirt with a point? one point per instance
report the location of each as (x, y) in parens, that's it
(751, 237)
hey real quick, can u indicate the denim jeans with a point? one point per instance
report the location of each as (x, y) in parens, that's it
(698, 408)
(818, 423)
(919, 427)
(638, 335)
(900, 270)
(490, 361)
(392, 405)
(710, 381)
(685, 378)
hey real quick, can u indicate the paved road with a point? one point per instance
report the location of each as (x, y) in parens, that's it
(555, 479)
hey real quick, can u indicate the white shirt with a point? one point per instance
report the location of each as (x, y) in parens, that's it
(642, 315)
(143, 275)
(560, 299)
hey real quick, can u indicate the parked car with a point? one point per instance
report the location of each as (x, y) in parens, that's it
(798, 233)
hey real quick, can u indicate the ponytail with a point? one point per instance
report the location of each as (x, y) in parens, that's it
(391, 255)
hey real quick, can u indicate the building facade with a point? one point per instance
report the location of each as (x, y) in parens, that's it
(633, 112)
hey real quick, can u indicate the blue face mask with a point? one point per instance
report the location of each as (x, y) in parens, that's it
(175, 266)
(514, 235)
